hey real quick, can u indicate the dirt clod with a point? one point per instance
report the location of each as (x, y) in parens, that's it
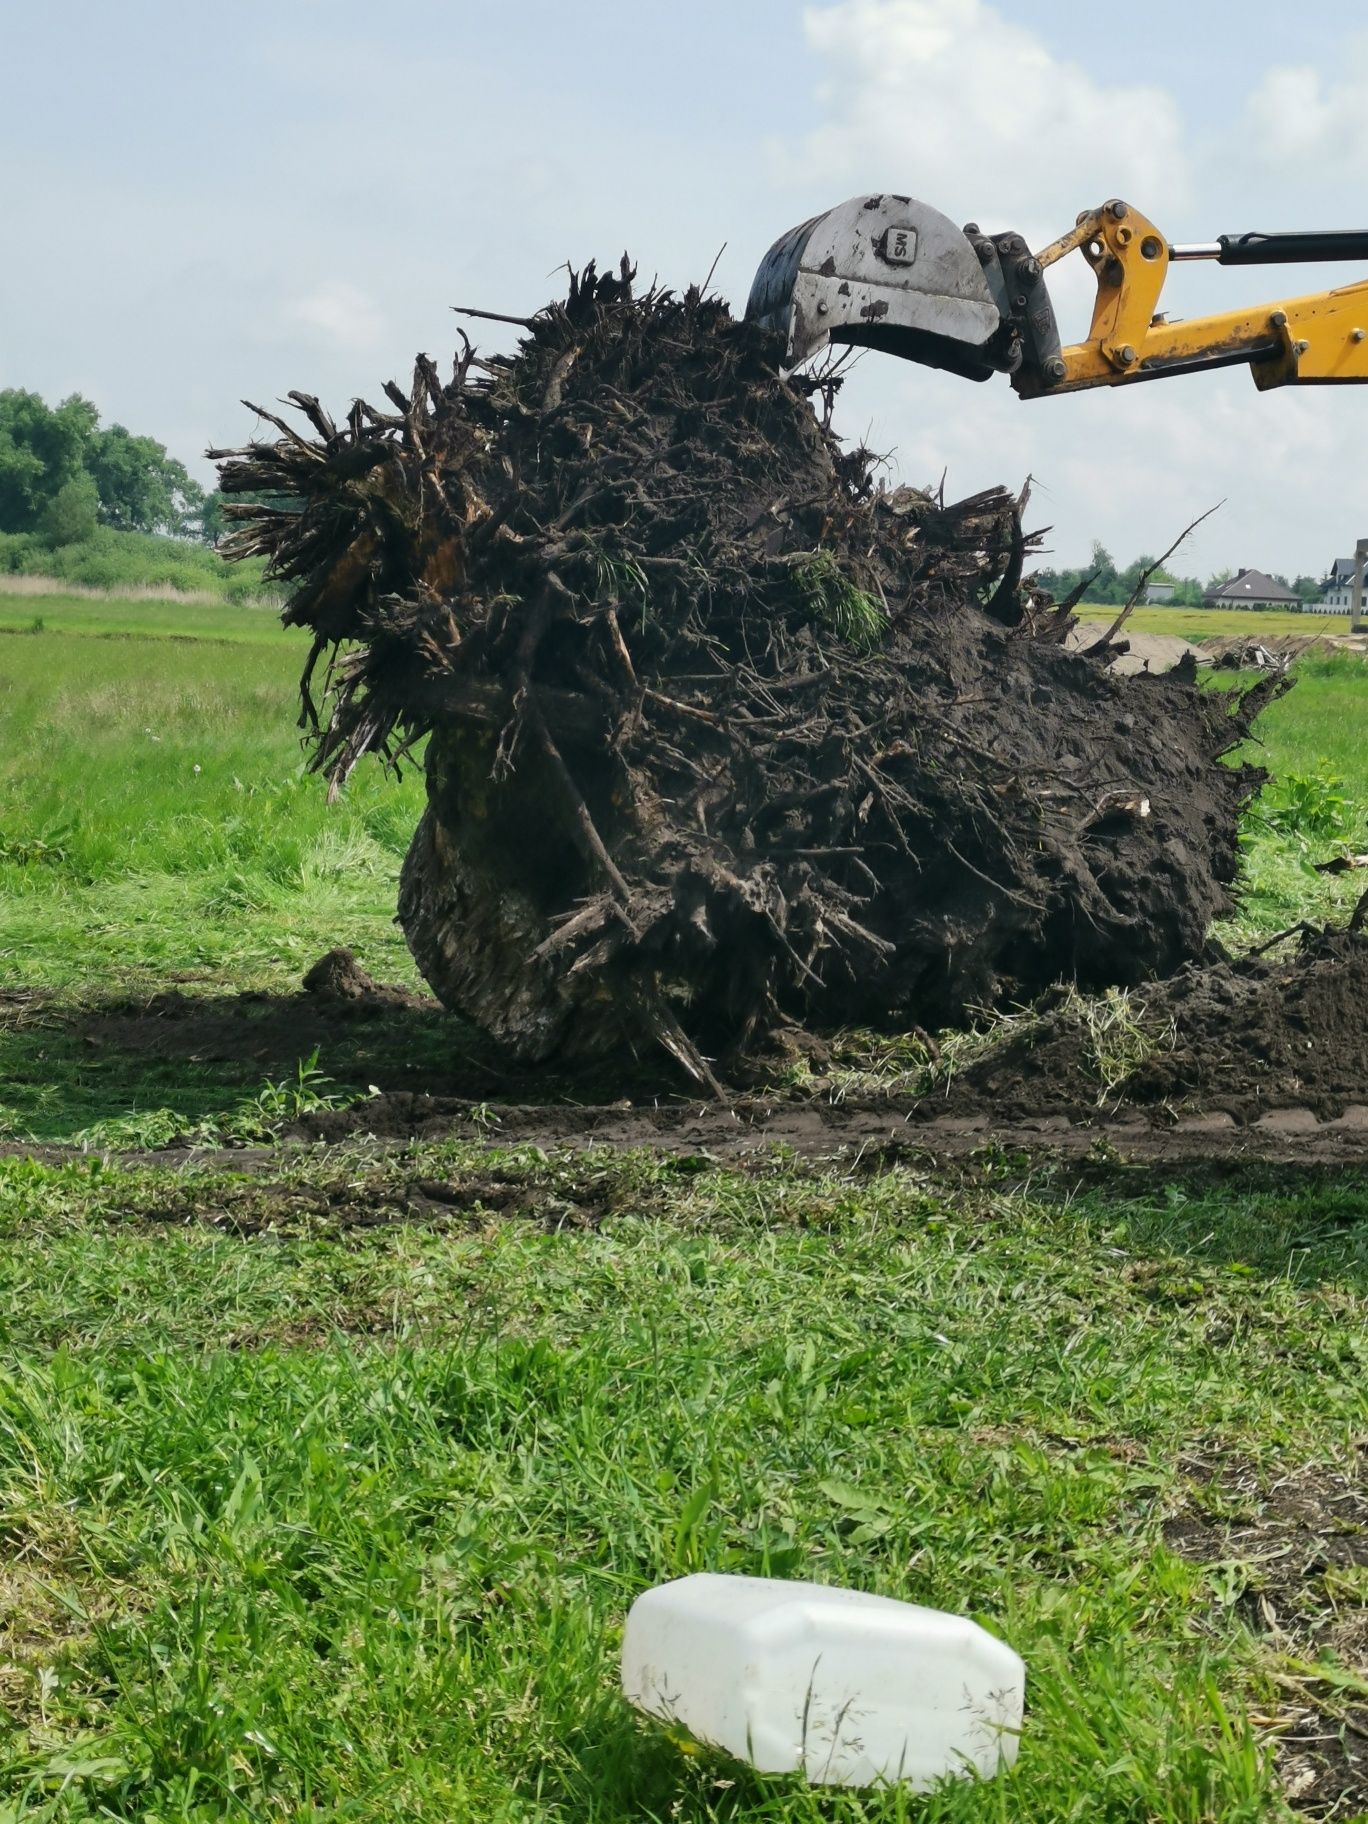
(339, 977)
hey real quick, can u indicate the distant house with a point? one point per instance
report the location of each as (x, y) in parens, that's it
(1337, 591)
(1159, 592)
(1251, 589)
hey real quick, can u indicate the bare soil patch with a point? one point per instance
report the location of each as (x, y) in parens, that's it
(1255, 1059)
(1245, 1061)
(346, 1203)
(1298, 1546)
(884, 1127)
(1138, 650)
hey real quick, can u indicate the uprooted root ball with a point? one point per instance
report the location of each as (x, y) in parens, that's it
(722, 734)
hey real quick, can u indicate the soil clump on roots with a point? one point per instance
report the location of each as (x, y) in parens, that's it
(723, 735)
(1244, 1038)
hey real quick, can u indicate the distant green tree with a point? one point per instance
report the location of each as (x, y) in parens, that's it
(1106, 583)
(212, 523)
(1128, 580)
(1307, 588)
(42, 447)
(23, 484)
(73, 512)
(141, 488)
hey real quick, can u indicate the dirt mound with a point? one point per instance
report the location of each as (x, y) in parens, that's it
(339, 977)
(723, 736)
(1143, 651)
(1242, 1038)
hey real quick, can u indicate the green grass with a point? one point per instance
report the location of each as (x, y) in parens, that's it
(835, 602)
(155, 814)
(1318, 730)
(1321, 724)
(138, 617)
(346, 1525)
(318, 1502)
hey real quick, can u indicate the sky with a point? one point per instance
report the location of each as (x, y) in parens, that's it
(205, 204)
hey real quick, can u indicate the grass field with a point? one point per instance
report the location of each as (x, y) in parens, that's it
(157, 823)
(167, 617)
(321, 1498)
(1198, 623)
(1314, 741)
(155, 811)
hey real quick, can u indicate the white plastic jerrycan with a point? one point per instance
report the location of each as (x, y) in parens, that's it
(851, 1688)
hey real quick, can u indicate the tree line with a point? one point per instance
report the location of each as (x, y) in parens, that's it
(63, 474)
(1108, 585)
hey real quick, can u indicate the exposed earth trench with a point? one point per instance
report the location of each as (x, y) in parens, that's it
(1256, 1059)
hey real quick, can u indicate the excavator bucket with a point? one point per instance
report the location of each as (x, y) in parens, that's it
(884, 272)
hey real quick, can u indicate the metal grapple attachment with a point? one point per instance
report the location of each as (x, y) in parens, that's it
(890, 273)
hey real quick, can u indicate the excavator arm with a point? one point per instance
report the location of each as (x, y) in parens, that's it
(890, 273)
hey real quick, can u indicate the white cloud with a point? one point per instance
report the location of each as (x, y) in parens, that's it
(1296, 116)
(976, 116)
(342, 317)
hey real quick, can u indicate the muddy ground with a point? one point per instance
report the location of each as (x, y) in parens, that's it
(1256, 1060)
(1252, 1039)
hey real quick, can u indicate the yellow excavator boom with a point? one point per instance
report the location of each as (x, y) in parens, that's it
(888, 272)
(1318, 338)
